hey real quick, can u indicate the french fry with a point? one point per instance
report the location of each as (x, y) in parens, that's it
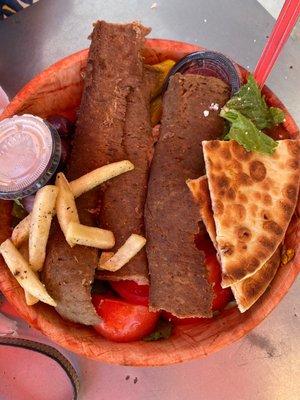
(89, 236)
(21, 270)
(40, 223)
(21, 232)
(24, 250)
(30, 300)
(105, 256)
(79, 186)
(65, 205)
(97, 176)
(125, 253)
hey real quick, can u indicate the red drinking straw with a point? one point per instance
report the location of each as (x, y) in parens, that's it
(281, 31)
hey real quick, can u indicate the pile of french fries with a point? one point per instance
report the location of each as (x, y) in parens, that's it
(25, 252)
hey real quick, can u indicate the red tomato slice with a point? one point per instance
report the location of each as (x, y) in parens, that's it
(221, 296)
(139, 294)
(132, 292)
(122, 321)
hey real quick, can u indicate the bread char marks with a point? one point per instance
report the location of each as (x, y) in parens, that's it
(249, 290)
(253, 200)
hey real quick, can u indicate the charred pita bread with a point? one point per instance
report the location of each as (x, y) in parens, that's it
(249, 290)
(200, 192)
(253, 199)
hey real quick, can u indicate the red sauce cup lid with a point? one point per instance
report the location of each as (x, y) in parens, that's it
(29, 153)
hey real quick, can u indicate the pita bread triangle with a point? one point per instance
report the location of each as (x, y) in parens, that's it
(253, 198)
(200, 192)
(249, 290)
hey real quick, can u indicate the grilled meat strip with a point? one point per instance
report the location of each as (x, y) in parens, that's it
(178, 282)
(114, 73)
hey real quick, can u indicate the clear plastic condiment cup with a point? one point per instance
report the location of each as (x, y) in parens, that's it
(30, 151)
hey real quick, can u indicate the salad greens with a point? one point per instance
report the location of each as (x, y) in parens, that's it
(244, 132)
(248, 113)
(163, 331)
(18, 210)
(18, 203)
(250, 102)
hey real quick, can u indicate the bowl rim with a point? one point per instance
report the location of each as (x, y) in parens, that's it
(68, 334)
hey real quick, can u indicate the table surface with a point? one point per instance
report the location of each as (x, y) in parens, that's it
(263, 365)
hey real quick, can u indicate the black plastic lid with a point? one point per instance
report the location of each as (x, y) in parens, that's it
(208, 63)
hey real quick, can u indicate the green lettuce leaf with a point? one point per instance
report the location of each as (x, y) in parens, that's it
(244, 132)
(163, 331)
(18, 210)
(277, 115)
(250, 102)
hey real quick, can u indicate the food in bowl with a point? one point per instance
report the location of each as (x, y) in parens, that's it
(114, 127)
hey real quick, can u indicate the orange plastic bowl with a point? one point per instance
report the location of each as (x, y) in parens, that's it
(58, 90)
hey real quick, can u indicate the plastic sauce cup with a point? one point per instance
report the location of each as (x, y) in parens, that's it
(30, 151)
